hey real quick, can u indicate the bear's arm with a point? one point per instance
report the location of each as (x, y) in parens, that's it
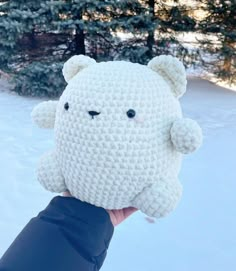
(186, 135)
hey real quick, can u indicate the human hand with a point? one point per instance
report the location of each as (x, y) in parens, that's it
(116, 216)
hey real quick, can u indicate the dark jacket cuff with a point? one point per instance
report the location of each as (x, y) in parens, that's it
(68, 235)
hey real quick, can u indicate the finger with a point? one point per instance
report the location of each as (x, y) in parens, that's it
(67, 194)
(129, 211)
(113, 218)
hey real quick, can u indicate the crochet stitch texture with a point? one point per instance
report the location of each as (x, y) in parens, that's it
(119, 134)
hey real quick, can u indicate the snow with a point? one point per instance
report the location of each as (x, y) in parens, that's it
(199, 235)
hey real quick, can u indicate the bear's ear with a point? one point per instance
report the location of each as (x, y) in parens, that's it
(172, 70)
(75, 64)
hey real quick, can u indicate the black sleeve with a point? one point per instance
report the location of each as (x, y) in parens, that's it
(69, 235)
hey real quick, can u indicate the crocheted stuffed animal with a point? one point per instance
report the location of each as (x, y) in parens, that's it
(119, 134)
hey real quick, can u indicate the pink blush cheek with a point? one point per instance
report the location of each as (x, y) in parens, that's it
(139, 120)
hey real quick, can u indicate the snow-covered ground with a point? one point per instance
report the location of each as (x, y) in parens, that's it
(199, 235)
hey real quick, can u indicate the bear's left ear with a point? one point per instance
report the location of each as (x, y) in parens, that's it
(172, 70)
(75, 64)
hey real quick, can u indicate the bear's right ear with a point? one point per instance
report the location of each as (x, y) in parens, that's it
(172, 70)
(75, 64)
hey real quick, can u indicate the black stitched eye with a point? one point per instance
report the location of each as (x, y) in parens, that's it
(66, 106)
(131, 113)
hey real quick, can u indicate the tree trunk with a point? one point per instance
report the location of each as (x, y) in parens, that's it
(227, 66)
(79, 36)
(151, 33)
(32, 40)
(79, 42)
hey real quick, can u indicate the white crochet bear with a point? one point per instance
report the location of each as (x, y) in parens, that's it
(119, 134)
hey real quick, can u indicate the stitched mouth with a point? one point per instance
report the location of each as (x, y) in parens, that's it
(93, 113)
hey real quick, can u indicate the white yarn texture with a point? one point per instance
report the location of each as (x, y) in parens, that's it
(43, 114)
(173, 72)
(109, 159)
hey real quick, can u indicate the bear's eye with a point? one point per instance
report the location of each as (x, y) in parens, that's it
(131, 113)
(66, 106)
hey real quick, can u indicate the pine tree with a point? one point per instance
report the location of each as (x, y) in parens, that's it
(20, 19)
(76, 24)
(220, 22)
(38, 33)
(168, 18)
(51, 31)
(91, 21)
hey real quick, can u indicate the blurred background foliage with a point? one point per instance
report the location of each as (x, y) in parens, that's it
(37, 37)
